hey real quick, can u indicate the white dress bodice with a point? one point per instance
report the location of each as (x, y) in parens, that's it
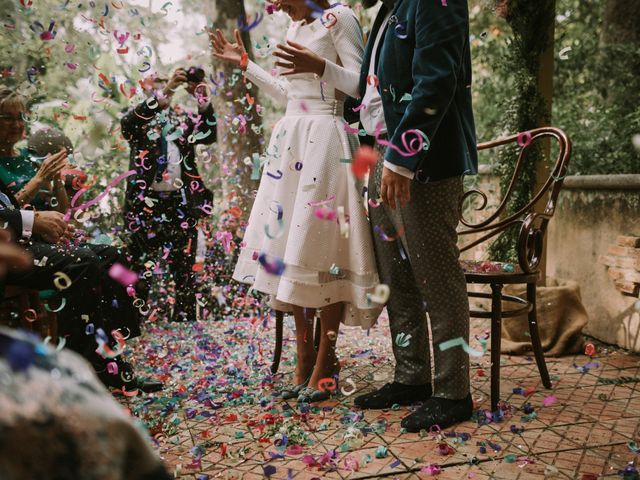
(336, 37)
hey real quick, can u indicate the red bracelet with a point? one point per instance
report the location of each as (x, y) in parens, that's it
(244, 61)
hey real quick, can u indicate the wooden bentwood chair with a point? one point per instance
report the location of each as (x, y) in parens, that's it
(532, 219)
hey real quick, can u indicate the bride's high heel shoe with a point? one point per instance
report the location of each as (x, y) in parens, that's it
(312, 395)
(290, 390)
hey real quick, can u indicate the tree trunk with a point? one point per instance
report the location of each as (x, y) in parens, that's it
(530, 59)
(239, 126)
(621, 22)
(619, 58)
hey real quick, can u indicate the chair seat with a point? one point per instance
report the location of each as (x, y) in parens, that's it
(483, 271)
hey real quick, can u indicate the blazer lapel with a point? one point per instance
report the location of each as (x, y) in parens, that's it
(381, 44)
(364, 71)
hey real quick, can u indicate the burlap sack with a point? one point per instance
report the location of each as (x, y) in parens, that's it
(561, 318)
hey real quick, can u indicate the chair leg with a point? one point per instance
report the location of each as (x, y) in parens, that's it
(41, 325)
(53, 325)
(535, 336)
(24, 304)
(277, 351)
(317, 334)
(496, 336)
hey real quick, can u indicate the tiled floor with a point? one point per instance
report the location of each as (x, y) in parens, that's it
(218, 417)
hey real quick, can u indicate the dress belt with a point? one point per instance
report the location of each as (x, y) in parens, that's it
(315, 107)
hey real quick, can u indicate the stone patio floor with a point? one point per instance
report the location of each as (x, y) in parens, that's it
(218, 417)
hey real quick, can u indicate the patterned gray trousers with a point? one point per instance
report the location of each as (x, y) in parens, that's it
(425, 277)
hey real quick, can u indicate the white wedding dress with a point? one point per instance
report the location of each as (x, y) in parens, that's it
(306, 176)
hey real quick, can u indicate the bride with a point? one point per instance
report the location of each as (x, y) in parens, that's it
(308, 242)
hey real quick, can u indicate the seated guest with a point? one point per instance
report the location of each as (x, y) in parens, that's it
(33, 181)
(91, 303)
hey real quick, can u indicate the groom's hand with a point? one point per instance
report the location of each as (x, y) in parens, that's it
(395, 186)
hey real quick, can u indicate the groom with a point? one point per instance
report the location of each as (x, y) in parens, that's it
(415, 82)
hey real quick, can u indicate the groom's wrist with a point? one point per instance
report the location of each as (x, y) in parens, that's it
(405, 172)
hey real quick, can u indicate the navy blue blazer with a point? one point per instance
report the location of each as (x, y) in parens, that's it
(424, 74)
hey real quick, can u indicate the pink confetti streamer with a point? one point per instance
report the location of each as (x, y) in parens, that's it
(75, 198)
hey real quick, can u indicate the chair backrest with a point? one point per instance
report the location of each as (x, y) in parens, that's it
(533, 224)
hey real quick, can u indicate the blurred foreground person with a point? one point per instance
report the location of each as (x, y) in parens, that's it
(56, 420)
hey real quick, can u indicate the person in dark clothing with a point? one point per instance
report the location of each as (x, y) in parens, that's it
(226, 297)
(74, 279)
(428, 67)
(166, 196)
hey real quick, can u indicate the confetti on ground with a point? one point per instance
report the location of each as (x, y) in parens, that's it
(218, 416)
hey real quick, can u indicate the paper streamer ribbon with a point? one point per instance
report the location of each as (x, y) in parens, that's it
(112, 184)
(411, 145)
(459, 342)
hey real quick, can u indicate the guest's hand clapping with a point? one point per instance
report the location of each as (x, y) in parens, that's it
(299, 59)
(51, 167)
(229, 52)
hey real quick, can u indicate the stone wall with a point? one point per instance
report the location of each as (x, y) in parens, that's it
(593, 212)
(583, 244)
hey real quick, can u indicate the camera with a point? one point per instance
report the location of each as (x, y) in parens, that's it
(195, 75)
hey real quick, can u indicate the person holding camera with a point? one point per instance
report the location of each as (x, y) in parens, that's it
(167, 196)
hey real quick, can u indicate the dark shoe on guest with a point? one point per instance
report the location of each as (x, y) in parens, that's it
(126, 378)
(438, 411)
(393, 393)
(148, 385)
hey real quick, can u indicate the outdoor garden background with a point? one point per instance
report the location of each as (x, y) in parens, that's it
(568, 63)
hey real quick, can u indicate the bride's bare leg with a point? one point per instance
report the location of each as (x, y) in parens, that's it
(304, 343)
(327, 360)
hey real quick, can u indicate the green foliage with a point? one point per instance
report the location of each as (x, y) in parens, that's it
(521, 106)
(596, 90)
(596, 87)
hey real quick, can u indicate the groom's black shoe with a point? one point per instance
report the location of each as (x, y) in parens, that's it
(438, 411)
(393, 393)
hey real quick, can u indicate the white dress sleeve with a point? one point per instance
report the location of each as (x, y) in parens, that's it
(347, 38)
(277, 87)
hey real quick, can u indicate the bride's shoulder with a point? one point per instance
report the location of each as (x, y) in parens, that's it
(342, 13)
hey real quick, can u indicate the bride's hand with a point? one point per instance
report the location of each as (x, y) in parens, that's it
(229, 52)
(299, 59)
